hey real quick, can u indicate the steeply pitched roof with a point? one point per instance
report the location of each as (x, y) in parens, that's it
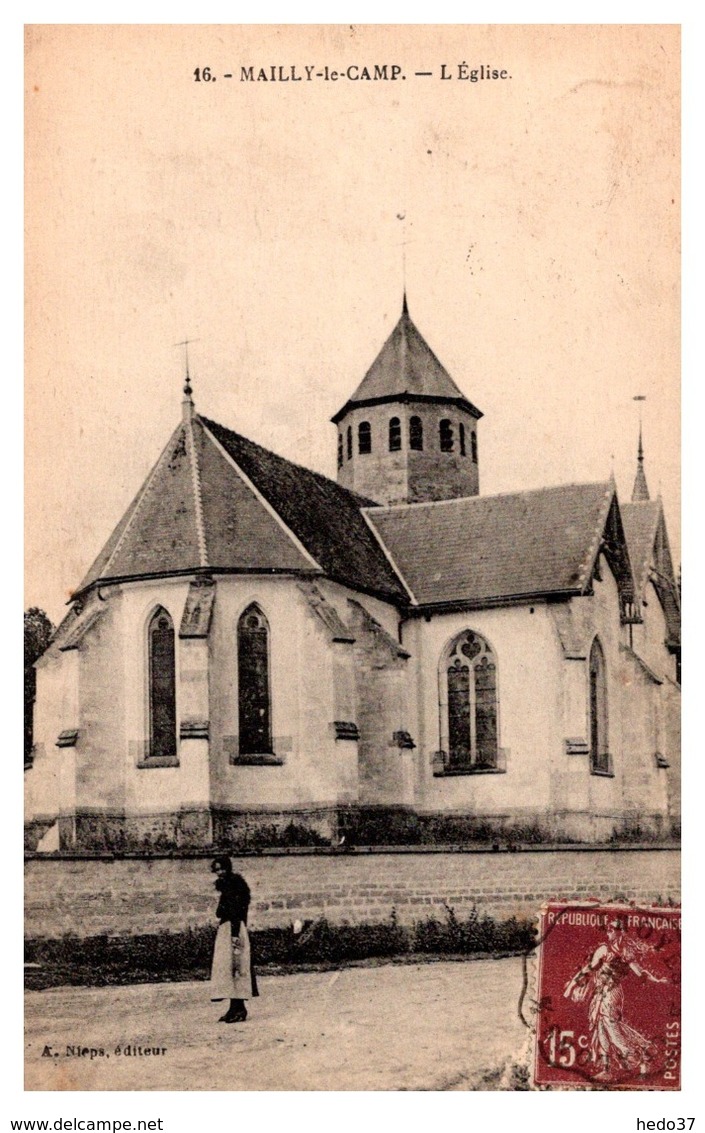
(406, 368)
(485, 549)
(650, 553)
(640, 523)
(326, 517)
(217, 502)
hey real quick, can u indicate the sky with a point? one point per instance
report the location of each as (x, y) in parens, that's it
(533, 219)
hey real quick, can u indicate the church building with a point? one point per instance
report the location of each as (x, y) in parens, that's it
(261, 653)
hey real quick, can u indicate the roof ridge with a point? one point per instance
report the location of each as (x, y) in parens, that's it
(593, 549)
(361, 501)
(197, 493)
(384, 508)
(139, 500)
(260, 495)
(388, 555)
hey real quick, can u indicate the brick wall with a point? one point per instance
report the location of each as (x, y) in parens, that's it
(91, 896)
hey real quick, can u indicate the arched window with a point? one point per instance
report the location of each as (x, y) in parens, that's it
(469, 704)
(416, 434)
(461, 438)
(340, 450)
(473, 446)
(446, 435)
(254, 702)
(349, 442)
(599, 748)
(394, 434)
(364, 437)
(162, 685)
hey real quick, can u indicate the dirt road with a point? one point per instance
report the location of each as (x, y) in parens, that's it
(431, 1026)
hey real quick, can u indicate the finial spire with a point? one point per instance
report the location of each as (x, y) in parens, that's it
(187, 402)
(401, 216)
(640, 492)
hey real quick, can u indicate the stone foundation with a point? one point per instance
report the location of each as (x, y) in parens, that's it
(242, 830)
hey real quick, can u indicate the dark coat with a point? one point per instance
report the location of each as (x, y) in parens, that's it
(234, 900)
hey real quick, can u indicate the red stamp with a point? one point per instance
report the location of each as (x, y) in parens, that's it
(609, 997)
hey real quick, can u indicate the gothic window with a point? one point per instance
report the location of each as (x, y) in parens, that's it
(394, 434)
(340, 450)
(469, 697)
(162, 685)
(364, 437)
(446, 435)
(599, 749)
(254, 702)
(416, 434)
(350, 443)
(461, 438)
(473, 446)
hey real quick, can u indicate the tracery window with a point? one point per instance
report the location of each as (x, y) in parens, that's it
(254, 699)
(599, 746)
(416, 434)
(364, 437)
(469, 704)
(162, 685)
(446, 435)
(394, 434)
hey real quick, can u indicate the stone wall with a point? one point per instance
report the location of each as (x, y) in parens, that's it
(89, 896)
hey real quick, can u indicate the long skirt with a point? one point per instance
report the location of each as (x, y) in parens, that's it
(231, 971)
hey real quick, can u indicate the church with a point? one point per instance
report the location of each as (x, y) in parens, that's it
(262, 655)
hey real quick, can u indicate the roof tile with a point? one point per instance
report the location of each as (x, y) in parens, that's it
(484, 548)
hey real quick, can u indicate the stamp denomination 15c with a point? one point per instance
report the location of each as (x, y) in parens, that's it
(609, 997)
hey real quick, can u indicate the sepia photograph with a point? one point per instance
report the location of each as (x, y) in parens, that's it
(352, 581)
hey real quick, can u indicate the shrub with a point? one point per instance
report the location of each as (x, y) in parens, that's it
(100, 960)
(475, 934)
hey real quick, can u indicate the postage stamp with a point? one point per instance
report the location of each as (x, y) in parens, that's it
(608, 997)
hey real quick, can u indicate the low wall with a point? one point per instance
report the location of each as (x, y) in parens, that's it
(99, 895)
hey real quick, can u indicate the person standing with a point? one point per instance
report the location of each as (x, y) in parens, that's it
(232, 971)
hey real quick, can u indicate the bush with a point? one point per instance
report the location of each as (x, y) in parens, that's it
(476, 934)
(100, 960)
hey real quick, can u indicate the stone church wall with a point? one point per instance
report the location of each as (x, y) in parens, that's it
(93, 896)
(530, 734)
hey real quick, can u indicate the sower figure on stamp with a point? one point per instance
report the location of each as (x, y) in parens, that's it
(616, 1047)
(232, 972)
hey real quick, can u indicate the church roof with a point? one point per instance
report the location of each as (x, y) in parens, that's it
(647, 539)
(217, 502)
(485, 549)
(406, 369)
(640, 523)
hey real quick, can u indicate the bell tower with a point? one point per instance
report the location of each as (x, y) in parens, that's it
(408, 434)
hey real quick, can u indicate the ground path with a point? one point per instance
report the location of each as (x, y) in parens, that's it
(434, 1026)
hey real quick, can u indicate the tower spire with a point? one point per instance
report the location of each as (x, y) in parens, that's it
(640, 492)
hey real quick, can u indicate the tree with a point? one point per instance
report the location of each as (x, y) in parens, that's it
(38, 632)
